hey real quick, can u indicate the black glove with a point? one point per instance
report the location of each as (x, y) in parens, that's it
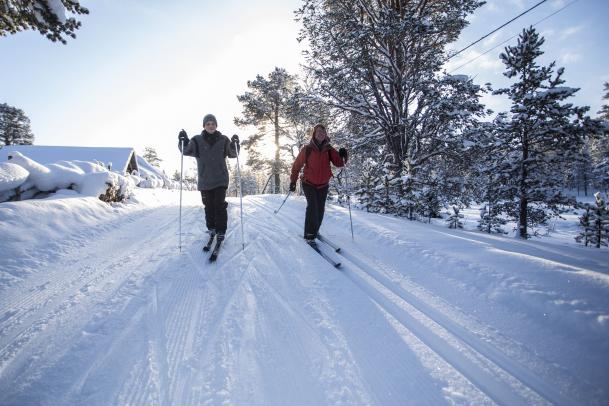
(235, 143)
(292, 186)
(183, 137)
(343, 154)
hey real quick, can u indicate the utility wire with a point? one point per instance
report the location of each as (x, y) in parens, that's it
(510, 38)
(496, 29)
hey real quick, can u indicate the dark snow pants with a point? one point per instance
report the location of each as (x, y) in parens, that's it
(215, 209)
(316, 204)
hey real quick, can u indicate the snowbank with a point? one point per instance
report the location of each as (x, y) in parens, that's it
(86, 178)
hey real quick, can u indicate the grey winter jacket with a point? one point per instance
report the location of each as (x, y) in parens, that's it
(211, 151)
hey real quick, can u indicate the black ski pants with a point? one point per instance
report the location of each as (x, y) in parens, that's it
(215, 204)
(316, 204)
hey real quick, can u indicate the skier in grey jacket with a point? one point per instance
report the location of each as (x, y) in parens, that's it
(211, 148)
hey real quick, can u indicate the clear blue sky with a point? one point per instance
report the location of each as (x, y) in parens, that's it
(140, 70)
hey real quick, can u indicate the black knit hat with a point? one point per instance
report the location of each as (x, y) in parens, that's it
(209, 117)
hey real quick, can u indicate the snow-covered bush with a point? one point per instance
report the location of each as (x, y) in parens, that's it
(86, 178)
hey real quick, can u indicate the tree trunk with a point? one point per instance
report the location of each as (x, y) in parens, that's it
(276, 166)
(522, 218)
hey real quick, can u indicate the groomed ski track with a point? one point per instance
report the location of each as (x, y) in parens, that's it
(123, 318)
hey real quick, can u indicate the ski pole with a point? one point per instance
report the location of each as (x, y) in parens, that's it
(349, 201)
(240, 194)
(284, 200)
(181, 172)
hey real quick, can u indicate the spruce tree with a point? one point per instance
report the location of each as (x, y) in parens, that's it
(541, 134)
(47, 17)
(14, 126)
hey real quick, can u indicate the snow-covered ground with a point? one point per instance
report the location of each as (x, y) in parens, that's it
(98, 307)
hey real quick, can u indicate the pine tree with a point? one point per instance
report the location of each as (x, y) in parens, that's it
(604, 111)
(599, 149)
(539, 137)
(595, 223)
(151, 156)
(490, 221)
(303, 111)
(14, 126)
(266, 106)
(454, 220)
(381, 60)
(587, 234)
(46, 16)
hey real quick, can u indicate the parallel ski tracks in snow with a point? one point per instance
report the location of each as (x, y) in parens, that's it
(54, 299)
(487, 367)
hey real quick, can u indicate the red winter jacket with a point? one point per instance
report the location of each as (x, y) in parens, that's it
(317, 170)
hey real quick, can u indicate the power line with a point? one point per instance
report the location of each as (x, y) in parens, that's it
(496, 29)
(513, 36)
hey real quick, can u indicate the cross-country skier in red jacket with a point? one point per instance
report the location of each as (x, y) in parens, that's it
(316, 157)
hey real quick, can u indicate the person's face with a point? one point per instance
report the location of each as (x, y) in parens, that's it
(320, 134)
(210, 127)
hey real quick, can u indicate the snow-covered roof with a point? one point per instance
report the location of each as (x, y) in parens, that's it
(122, 159)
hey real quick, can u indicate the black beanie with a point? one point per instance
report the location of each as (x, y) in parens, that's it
(209, 117)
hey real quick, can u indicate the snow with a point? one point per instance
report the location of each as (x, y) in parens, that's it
(150, 176)
(45, 154)
(57, 8)
(11, 176)
(98, 306)
(87, 178)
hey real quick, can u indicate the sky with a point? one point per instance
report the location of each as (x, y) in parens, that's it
(141, 70)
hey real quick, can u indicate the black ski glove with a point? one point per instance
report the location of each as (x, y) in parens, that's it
(235, 143)
(183, 137)
(343, 154)
(292, 186)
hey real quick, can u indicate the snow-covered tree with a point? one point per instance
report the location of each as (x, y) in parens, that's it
(381, 60)
(587, 234)
(595, 223)
(454, 220)
(604, 111)
(14, 126)
(266, 106)
(540, 135)
(599, 149)
(582, 169)
(45, 16)
(491, 220)
(152, 157)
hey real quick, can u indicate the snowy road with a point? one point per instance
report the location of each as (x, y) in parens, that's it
(417, 314)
